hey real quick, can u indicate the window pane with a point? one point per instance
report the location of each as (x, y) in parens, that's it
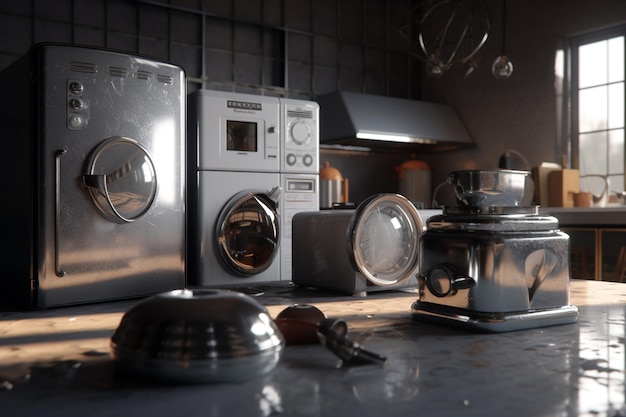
(617, 182)
(592, 109)
(594, 184)
(616, 59)
(592, 64)
(616, 106)
(616, 151)
(593, 153)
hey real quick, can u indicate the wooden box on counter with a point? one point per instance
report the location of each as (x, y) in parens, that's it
(562, 185)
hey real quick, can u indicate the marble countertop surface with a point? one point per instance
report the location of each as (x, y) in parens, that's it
(57, 363)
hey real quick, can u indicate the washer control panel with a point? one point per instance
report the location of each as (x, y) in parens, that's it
(299, 136)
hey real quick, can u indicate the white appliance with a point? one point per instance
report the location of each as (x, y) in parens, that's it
(240, 202)
(299, 167)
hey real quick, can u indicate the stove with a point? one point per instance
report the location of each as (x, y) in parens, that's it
(494, 269)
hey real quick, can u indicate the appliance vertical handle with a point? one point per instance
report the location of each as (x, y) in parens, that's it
(57, 212)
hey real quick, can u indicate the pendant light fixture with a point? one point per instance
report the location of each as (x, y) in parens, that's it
(447, 33)
(502, 67)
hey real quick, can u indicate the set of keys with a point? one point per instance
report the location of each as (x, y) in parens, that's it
(306, 324)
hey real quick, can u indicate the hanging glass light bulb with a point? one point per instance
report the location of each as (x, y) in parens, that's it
(502, 67)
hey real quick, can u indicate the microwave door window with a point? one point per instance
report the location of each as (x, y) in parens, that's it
(242, 136)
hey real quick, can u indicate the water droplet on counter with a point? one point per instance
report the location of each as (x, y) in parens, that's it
(6, 385)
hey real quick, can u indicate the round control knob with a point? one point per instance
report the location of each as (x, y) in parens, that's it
(76, 87)
(76, 103)
(75, 122)
(300, 133)
(307, 160)
(291, 159)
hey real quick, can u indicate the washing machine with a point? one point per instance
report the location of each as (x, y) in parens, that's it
(299, 170)
(234, 227)
(256, 166)
(94, 177)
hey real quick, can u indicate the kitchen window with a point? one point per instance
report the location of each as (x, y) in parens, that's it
(598, 109)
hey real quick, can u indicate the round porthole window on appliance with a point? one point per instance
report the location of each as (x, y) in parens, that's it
(248, 231)
(383, 239)
(121, 179)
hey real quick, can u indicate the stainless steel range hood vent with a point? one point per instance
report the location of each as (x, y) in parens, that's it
(372, 121)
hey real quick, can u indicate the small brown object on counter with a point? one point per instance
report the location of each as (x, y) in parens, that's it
(562, 185)
(298, 323)
(582, 199)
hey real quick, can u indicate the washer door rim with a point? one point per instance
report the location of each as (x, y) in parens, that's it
(267, 203)
(354, 233)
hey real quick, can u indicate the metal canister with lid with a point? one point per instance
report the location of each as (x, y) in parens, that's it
(333, 187)
(414, 181)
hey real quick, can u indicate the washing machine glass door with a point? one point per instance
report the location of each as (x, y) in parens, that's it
(121, 179)
(248, 231)
(383, 239)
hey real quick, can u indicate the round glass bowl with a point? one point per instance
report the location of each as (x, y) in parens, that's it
(198, 336)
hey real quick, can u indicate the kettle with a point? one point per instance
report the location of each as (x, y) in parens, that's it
(414, 178)
(333, 187)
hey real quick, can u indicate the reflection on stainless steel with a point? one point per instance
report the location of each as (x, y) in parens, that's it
(121, 179)
(248, 231)
(197, 336)
(494, 271)
(505, 188)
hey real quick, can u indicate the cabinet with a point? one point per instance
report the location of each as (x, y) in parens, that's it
(597, 253)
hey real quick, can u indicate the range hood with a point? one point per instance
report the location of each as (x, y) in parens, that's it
(373, 121)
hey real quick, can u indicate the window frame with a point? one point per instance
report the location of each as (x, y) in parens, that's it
(575, 43)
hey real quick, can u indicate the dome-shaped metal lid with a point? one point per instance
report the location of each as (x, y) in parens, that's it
(198, 336)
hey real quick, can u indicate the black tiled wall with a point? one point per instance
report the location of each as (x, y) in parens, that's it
(296, 48)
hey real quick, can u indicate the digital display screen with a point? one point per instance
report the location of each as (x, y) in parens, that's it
(300, 186)
(242, 136)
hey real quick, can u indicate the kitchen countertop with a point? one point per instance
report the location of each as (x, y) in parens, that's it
(588, 216)
(57, 362)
